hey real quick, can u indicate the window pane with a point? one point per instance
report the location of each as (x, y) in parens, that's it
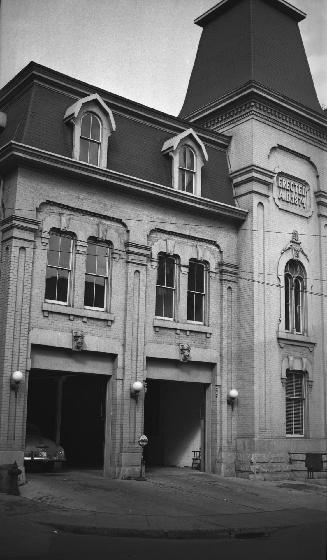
(86, 126)
(53, 251)
(198, 307)
(93, 153)
(159, 301)
(168, 303)
(190, 159)
(99, 291)
(182, 158)
(65, 252)
(102, 260)
(84, 150)
(191, 276)
(298, 304)
(189, 181)
(199, 284)
(170, 272)
(287, 302)
(89, 291)
(51, 284)
(161, 270)
(62, 286)
(90, 262)
(181, 179)
(95, 128)
(190, 306)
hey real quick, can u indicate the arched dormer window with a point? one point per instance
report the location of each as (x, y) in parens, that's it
(188, 155)
(294, 282)
(93, 123)
(90, 142)
(187, 169)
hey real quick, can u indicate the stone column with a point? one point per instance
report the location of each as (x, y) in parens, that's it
(18, 235)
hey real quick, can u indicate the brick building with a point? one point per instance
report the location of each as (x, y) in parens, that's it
(187, 254)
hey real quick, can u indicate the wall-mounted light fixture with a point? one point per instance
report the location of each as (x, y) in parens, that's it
(232, 396)
(136, 389)
(15, 380)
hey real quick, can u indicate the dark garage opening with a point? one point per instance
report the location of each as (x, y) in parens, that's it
(174, 422)
(70, 409)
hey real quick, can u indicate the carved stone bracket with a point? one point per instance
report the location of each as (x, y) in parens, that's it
(78, 341)
(81, 247)
(185, 352)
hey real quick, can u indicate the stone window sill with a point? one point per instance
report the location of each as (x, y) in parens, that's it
(73, 312)
(178, 327)
(295, 339)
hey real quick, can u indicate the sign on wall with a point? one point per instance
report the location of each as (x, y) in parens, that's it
(292, 194)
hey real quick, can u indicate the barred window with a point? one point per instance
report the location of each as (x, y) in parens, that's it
(294, 403)
(165, 290)
(187, 170)
(96, 277)
(90, 141)
(196, 291)
(294, 281)
(59, 266)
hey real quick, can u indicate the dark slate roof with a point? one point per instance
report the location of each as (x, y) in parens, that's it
(250, 40)
(36, 100)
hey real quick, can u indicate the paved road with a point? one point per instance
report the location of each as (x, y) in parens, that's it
(77, 512)
(287, 544)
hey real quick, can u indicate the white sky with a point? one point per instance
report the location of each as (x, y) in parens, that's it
(141, 49)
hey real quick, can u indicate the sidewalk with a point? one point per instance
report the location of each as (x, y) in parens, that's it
(171, 503)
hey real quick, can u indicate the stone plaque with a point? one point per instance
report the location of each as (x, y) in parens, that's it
(292, 194)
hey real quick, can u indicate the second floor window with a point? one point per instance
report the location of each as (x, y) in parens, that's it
(196, 292)
(165, 290)
(90, 141)
(59, 267)
(294, 279)
(187, 170)
(96, 277)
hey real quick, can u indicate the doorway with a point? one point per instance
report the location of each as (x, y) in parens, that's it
(174, 422)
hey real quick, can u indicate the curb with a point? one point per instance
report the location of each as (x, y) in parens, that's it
(187, 534)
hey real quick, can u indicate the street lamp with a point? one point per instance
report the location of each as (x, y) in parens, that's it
(136, 389)
(15, 380)
(231, 397)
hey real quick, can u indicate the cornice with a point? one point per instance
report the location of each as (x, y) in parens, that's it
(253, 100)
(15, 153)
(252, 178)
(321, 200)
(19, 222)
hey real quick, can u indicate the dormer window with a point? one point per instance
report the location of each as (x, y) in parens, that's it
(188, 155)
(187, 170)
(93, 123)
(90, 139)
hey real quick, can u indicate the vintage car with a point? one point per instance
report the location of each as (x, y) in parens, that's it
(39, 449)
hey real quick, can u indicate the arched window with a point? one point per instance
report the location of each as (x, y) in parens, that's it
(187, 170)
(294, 281)
(90, 141)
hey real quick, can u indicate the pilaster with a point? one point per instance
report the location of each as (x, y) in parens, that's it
(18, 235)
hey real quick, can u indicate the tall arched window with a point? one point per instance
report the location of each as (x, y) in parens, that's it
(187, 170)
(90, 139)
(294, 280)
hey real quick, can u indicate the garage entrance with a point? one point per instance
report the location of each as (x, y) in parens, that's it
(174, 421)
(70, 409)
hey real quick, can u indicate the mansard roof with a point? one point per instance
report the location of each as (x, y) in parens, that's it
(36, 102)
(250, 41)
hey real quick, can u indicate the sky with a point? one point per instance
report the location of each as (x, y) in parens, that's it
(140, 49)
